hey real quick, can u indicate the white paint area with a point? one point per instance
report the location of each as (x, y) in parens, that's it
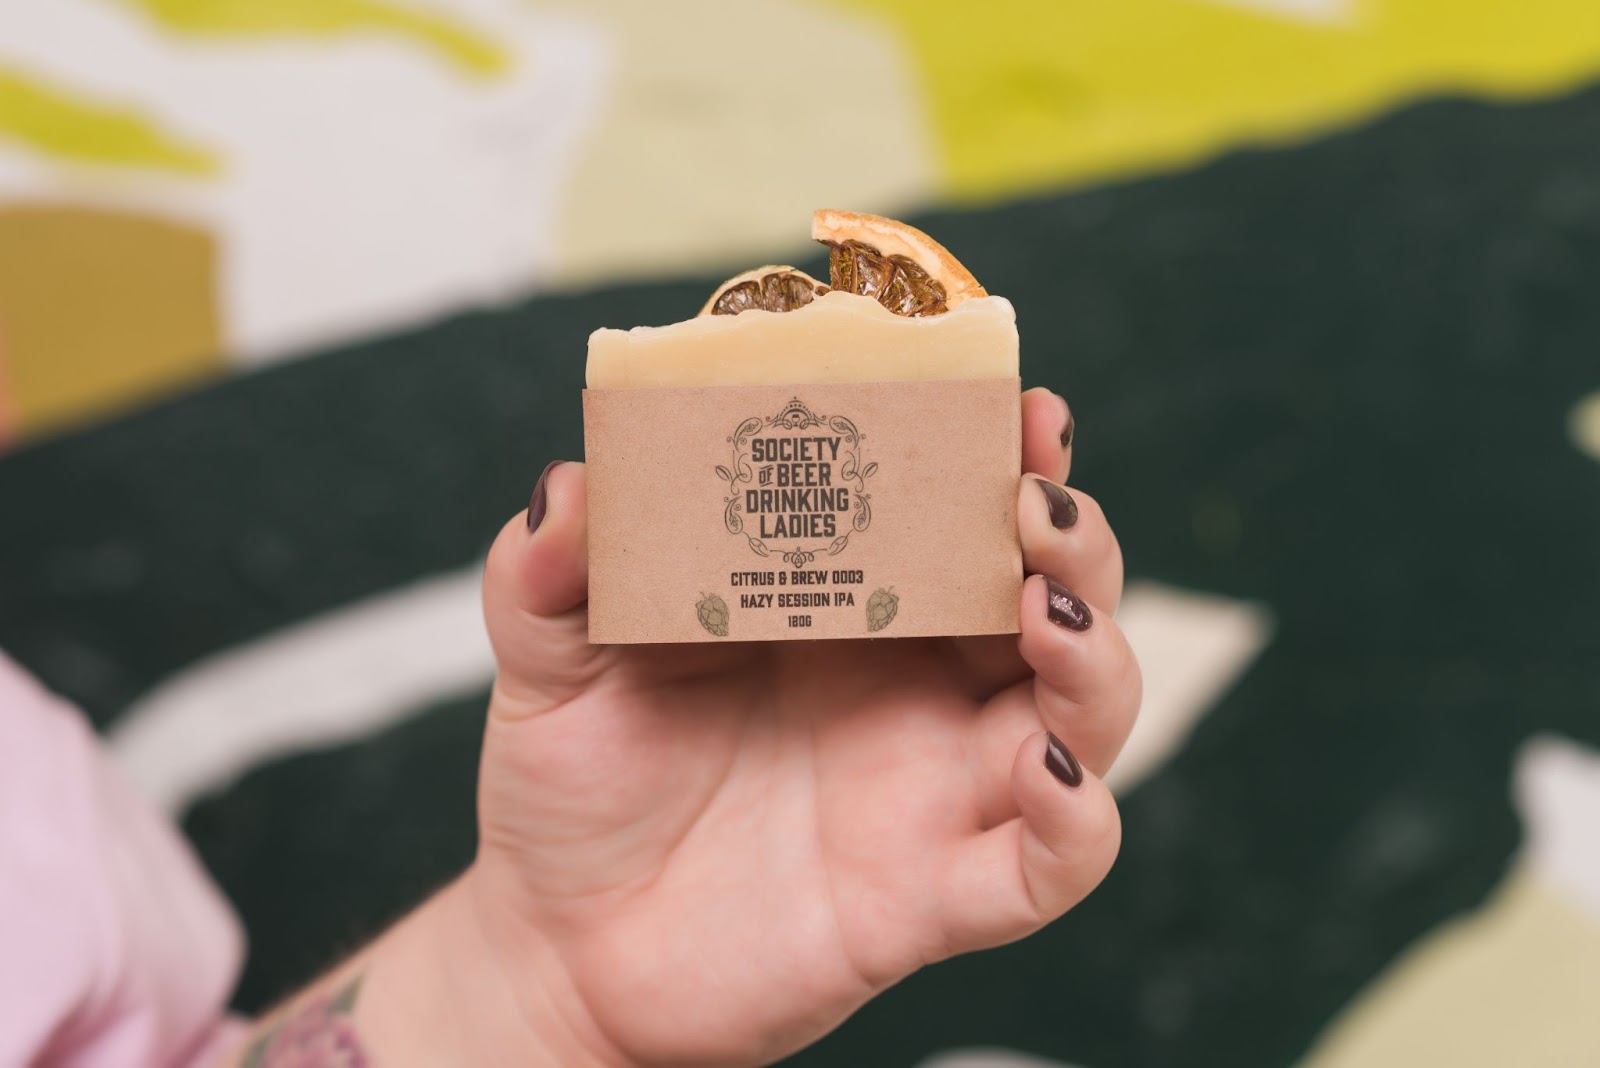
(364, 667)
(1556, 786)
(1583, 426)
(1191, 647)
(332, 679)
(367, 182)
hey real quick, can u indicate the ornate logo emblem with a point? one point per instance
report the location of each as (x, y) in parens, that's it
(796, 479)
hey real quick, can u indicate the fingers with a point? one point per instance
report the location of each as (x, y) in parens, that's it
(1008, 881)
(1084, 686)
(991, 661)
(1065, 535)
(1086, 682)
(534, 588)
(1046, 439)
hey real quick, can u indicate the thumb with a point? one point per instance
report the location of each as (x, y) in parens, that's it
(535, 588)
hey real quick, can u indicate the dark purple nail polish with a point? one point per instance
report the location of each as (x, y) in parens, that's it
(1062, 764)
(1063, 509)
(1070, 429)
(538, 502)
(1067, 608)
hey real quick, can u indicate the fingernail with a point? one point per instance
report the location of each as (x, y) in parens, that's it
(1069, 429)
(1067, 608)
(1062, 764)
(1063, 509)
(539, 501)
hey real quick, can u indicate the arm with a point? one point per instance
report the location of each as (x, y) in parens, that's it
(429, 991)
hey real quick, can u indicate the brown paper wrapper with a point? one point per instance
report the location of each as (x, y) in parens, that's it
(773, 512)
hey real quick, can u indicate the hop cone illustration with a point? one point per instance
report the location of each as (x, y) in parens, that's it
(881, 607)
(713, 613)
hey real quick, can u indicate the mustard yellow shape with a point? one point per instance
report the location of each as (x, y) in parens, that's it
(99, 309)
(467, 48)
(1025, 94)
(56, 123)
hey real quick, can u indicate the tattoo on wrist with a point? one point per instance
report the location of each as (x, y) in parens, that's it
(318, 1033)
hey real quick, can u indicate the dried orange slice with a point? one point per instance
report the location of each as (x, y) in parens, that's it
(772, 288)
(896, 265)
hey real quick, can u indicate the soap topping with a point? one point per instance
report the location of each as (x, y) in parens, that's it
(899, 266)
(773, 289)
(897, 282)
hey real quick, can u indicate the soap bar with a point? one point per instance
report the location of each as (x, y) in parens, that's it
(807, 460)
(839, 337)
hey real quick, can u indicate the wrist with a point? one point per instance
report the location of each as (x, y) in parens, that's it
(447, 987)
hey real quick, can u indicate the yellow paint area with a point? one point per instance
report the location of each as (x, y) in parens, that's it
(57, 123)
(1514, 983)
(100, 309)
(456, 42)
(1030, 93)
(720, 134)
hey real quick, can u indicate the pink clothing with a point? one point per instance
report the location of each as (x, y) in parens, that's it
(115, 948)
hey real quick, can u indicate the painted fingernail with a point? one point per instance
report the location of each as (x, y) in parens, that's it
(1067, 608)
(539, 501)
(1062, 764)
(1070, 429)
(1063, 509)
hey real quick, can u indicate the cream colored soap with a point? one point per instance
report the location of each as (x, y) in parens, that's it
(839, 337)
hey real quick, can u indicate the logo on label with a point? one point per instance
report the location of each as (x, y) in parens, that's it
(797, 478)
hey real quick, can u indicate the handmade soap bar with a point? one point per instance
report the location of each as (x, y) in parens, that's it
(810, 460)
(839, 337)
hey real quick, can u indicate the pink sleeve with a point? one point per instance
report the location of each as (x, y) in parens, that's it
(116, 951)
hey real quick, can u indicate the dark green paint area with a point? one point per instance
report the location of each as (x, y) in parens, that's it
(321, 851)
(1334, 379)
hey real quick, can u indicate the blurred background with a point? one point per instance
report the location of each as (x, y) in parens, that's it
(293, 304)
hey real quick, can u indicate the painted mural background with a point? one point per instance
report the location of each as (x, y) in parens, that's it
(293, 300)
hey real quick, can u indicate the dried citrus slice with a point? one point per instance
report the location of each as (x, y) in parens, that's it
(772, 288)
(897, 265)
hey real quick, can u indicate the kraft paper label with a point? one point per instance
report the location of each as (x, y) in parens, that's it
(840, 510)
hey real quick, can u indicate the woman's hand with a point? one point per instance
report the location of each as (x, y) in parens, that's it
(712, 854)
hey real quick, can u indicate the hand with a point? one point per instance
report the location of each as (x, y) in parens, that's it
(712, 854)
